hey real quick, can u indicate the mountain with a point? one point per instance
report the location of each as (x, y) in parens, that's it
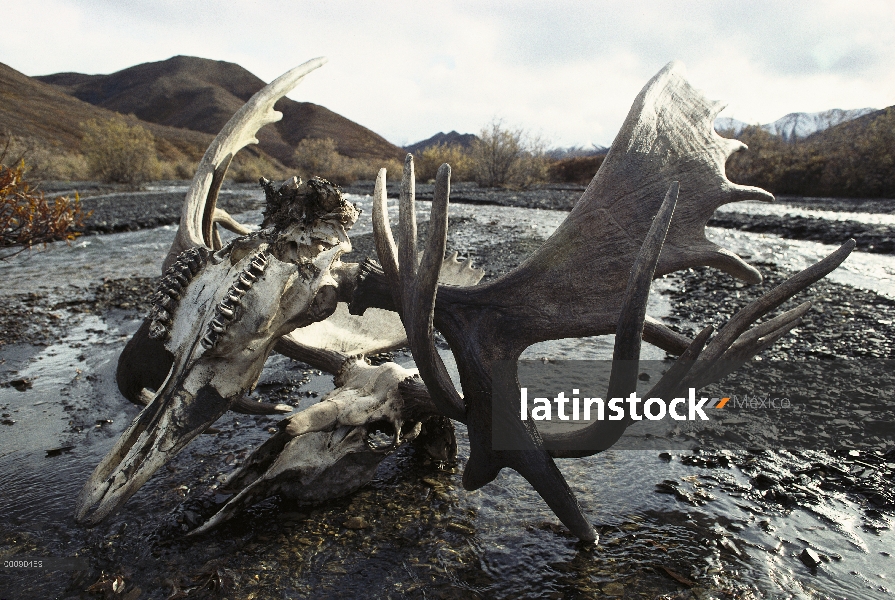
(797, 125)
(464, 140)
(725, 124)
(800, 125)
(44, 117)
(201, 95)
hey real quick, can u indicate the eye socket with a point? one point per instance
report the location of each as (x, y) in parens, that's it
(380, 435)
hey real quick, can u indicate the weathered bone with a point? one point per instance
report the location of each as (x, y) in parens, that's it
(324, 451)
(272, 281)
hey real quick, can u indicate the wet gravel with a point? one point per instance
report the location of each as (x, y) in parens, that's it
(143, 210)
(114, 208)
(320, 551)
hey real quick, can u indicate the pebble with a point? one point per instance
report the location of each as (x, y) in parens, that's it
(356, 522)
(810, 558)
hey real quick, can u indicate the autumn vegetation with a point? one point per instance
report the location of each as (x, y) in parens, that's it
(27, 217)
(854, 159)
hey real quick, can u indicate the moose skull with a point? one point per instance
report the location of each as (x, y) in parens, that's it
(328, 450)
(220, 315)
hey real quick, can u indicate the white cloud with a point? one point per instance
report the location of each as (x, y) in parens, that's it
(566, 69)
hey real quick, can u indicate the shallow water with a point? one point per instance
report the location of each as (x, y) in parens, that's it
(427, 537)
(781, 209)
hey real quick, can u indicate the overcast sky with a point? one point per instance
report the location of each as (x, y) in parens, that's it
(565, 70)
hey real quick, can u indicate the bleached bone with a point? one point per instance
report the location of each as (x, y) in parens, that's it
(591, 277)
(325, 451)
(224, 315)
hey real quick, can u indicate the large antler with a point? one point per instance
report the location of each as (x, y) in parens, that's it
(591, 277)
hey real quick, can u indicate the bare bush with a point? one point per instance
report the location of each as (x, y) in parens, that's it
(576, 169)
(119, 153)
(427, 163)
(319, 158)
(27, 217)
(504, 157)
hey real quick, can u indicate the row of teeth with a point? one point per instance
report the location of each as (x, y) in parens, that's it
(171, 287)
(226, 310)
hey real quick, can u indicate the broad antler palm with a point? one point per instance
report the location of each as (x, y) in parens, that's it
(591, 277)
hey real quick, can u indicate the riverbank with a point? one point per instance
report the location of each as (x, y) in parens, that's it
(114, 209)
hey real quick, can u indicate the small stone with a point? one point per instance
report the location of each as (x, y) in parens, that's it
(614, 589)
(356, 523)
(810, 558)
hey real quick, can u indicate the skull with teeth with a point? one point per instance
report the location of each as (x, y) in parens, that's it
(219, 315)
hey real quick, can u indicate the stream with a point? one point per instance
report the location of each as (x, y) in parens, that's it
(426, 536)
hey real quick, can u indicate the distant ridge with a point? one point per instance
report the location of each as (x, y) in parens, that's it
(199, 94)
(43, 116)
(797, 125)
(464, 140)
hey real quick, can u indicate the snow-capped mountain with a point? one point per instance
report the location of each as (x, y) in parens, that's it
(797, 125)
(726, 124)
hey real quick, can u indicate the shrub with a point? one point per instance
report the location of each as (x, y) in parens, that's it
(45, 161)
(316, 157)
(427, 162)
(27, 218)
(578, 169)
(119, 153)
(507, 157)
(853, 159)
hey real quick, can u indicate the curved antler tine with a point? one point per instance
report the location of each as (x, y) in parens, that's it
(741, 321)
(407, 231)
(225, 220)
(419, 313)
(629, 332)
(668, 385)
(749, 344)
(196, 219)
(382, 236)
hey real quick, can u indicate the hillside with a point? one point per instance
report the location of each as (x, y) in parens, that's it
(852, 159)
(201, 95)
(44, 117)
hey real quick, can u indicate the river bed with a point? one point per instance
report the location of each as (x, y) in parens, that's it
(425, 535)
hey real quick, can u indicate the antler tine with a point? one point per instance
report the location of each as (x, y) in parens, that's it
(197, 217)
(225, 220)
(407, 256)
(749, 344)
(629, 332)
(626, 353)
(419, 300)
(670, 381)
(771, 300)
(382, 236)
